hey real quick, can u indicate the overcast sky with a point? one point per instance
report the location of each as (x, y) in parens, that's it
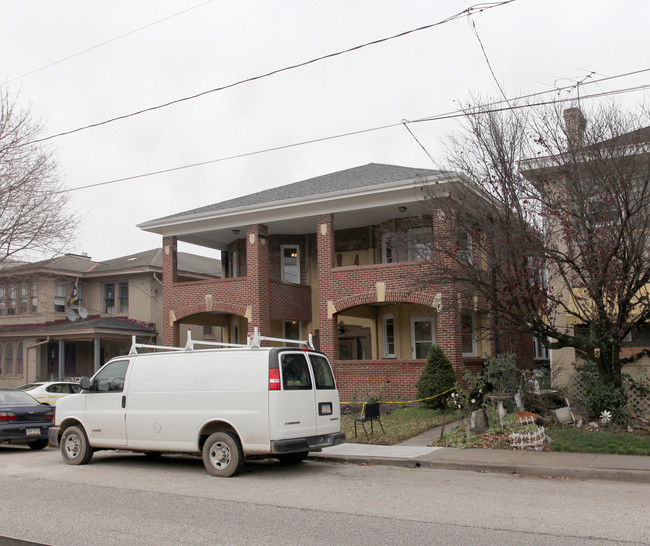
(157, 51)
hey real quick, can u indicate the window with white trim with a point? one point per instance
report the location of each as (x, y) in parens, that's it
(387, 248)
(389, 336)
(290, 256)
(60, 296)
(540, 350)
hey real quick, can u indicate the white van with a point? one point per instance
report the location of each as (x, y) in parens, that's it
(227, 403)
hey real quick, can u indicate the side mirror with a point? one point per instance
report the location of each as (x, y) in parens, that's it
(84, 383)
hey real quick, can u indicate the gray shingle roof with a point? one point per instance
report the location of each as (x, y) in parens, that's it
(349, 179)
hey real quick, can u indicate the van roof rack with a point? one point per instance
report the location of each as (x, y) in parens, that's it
(253, 342)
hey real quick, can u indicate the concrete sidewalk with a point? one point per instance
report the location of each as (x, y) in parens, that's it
(417, 453)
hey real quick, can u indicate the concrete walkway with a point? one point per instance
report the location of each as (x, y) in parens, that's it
(417, 453)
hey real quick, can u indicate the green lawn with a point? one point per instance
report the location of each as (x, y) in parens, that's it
(584, 441)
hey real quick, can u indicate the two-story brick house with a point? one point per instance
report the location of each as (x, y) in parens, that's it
(345, 256)
(66, 316)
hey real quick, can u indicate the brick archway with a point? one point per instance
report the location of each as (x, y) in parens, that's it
(219, 307)
(391, 296)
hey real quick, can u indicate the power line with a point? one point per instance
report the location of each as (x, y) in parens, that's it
(467, 11)
(490, 107)
(104, 43)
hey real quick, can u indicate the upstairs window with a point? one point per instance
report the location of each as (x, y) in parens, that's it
(19, 359)
(465, 246)
(124, 297)
(420, 244)
(109, 298)
(60, 296)
(387, 248)
(11, 304)
(9, 359)
(290, 255)
(34, 296)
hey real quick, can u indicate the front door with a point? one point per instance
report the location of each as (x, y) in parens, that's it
(423, 335)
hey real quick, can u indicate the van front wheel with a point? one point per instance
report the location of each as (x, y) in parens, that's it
(222, 455)
(75, 448)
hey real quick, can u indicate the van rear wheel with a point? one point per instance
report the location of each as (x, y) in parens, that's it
(222, 455)
(75, 448)
(292, 458)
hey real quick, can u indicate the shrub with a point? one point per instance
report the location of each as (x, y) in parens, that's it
(502, 374)
(437, 377)
(599, 396)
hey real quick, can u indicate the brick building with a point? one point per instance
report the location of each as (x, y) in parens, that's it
(344, 256)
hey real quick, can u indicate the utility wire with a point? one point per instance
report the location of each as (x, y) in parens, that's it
(104, 43)
(467, 11)
(490, 107)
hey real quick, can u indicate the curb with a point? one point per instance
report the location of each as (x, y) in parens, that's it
(541, 471)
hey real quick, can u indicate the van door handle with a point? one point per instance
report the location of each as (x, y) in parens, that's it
(123, 400)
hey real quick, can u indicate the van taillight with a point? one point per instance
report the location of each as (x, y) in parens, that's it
(274, 379)
(8, 416)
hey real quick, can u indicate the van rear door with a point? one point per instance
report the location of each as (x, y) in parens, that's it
(292, 411)
(328, 409)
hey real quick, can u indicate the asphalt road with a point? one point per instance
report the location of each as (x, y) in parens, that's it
(122, 498)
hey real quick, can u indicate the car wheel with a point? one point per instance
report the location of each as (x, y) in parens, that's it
(222, 455)
(38, 444)
(75, 448)
(292, 458)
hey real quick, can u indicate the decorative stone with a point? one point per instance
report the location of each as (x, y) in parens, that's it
(478, 422)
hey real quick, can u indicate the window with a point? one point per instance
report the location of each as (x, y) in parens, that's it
(295, 374)
(60, 297)
(322, 372)
(124, 297)
(109, 298)
(540, 350)
(290, 255)
(420, 243)
(3, 301)
(387, 248)
(111, 377)
(11, 307)
(19, 359)
(34, 296)
(423, 335)
(468, 334)
(291, 329)
(465, 246)
(235, 264)
(389, 336)
(207, 331)
(9, 359)
(23, 298)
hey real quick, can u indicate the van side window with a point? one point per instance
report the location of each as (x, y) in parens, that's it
(295, 374)
(111, 377)
(322, 372)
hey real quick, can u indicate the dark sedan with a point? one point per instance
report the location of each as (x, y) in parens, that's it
(23, 420)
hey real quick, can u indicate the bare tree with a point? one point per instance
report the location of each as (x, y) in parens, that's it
(557, 214)
(33, 210)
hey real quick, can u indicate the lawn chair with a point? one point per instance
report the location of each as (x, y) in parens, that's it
(369, 412)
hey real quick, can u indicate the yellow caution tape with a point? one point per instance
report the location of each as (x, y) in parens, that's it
(407, 401)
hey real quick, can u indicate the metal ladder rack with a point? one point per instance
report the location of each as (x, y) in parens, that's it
(253, 342)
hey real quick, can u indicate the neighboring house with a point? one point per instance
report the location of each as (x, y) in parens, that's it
(65, 317)
(339, 255)
(596, 162)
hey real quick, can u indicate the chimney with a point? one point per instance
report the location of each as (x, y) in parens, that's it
(575, 128)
